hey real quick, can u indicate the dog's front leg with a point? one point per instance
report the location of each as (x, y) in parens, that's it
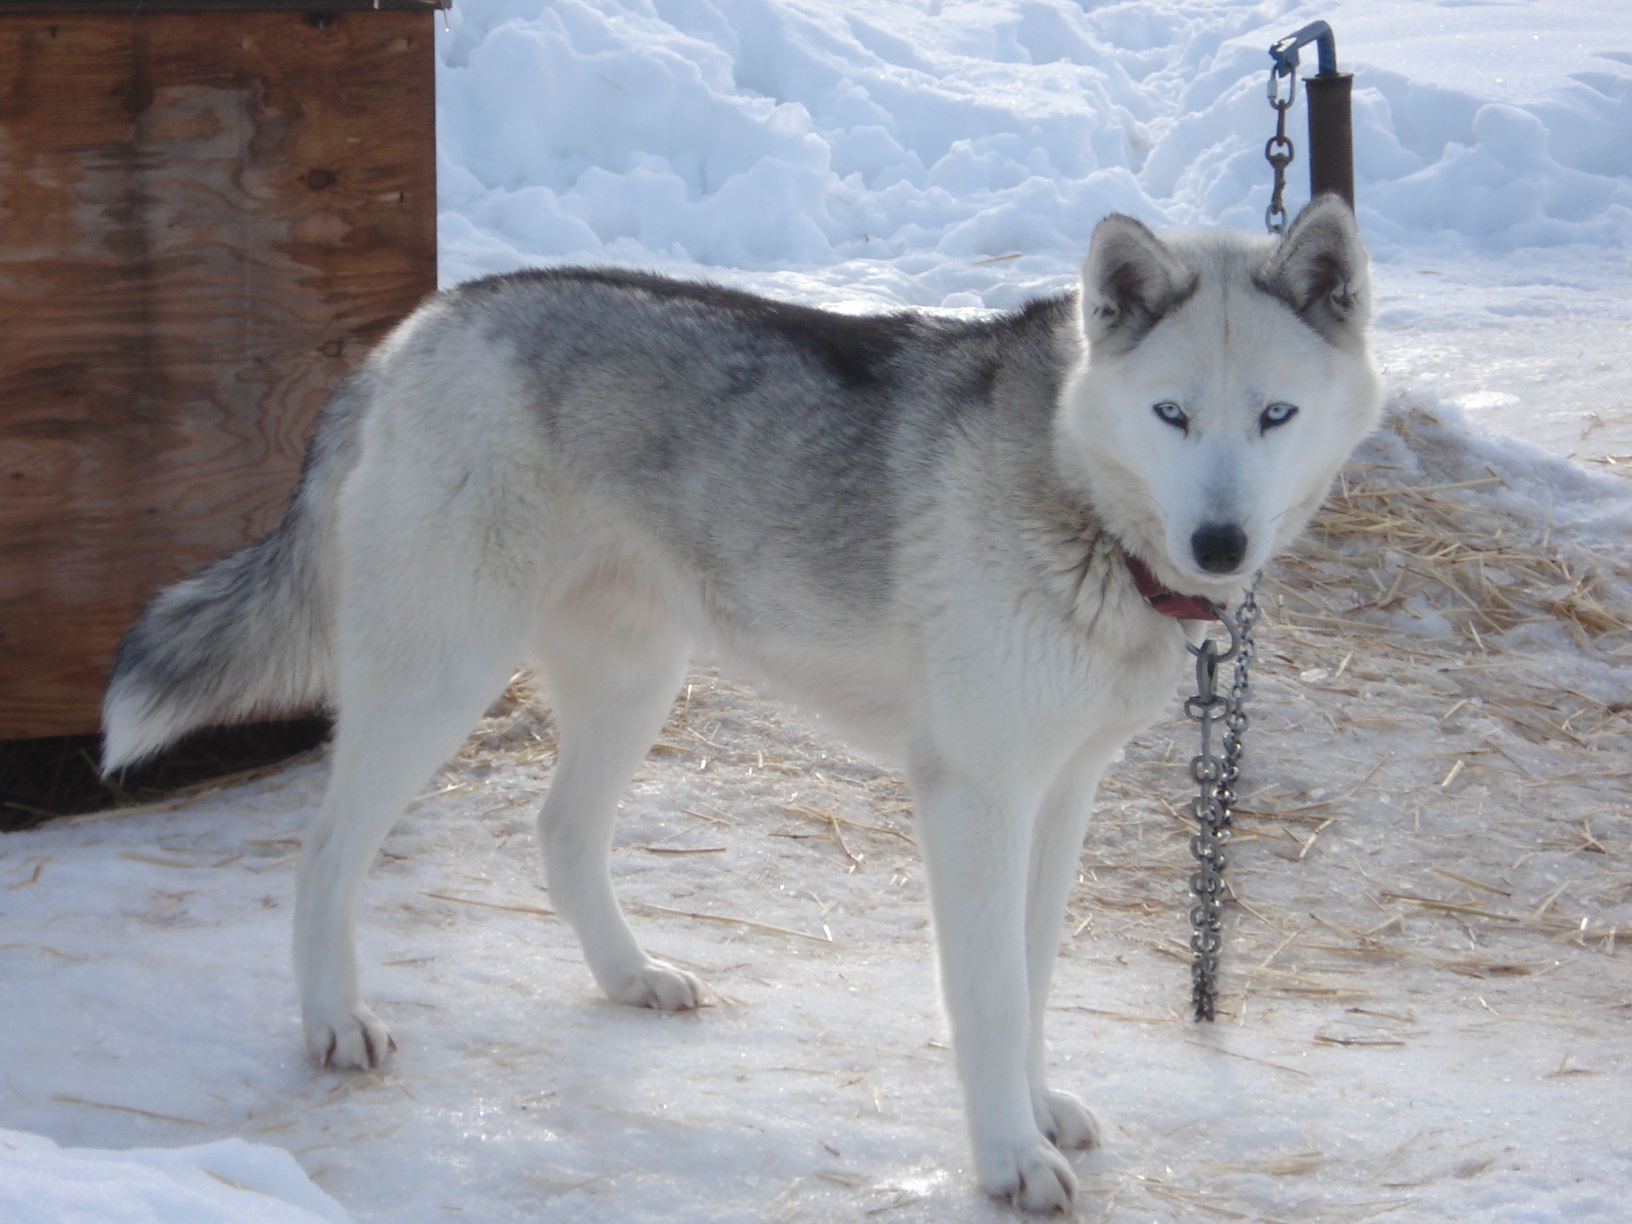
(1056, 851)
(976, 840)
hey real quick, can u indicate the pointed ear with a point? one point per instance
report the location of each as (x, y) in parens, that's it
(1130, 280)
(1321, 270)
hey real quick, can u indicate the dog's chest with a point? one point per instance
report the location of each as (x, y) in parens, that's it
(1119, 661)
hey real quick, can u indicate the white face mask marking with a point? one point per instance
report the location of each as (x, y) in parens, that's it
(1207, 435)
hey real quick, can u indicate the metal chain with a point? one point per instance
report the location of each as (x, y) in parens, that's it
(1278, 150)
(1216, 777)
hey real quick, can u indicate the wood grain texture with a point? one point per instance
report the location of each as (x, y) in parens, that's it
(205, 220)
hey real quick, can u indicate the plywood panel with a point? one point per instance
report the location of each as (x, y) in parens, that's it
(205, 219)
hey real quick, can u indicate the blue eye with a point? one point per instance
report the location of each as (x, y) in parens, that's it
(1276, 414)
(1171, 414)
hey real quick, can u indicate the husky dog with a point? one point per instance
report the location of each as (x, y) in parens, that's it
(925, 528)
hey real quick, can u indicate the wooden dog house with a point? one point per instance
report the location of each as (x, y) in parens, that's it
(209, 209)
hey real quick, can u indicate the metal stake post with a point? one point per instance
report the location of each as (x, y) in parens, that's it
(1331, 124)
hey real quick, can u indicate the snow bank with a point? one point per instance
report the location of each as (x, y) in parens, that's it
(893, 146)
(1427, 440)
(227, 1182)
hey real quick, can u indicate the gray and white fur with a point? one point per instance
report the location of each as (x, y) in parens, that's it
(916, 526)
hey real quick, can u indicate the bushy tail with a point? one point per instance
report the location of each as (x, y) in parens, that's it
(248, 633)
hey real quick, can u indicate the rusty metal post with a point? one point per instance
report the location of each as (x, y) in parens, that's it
(1331, 135)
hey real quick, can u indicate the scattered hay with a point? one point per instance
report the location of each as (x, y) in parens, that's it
(516, 730)
(1467, 562)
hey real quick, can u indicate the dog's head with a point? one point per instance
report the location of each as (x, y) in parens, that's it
(1227, 377)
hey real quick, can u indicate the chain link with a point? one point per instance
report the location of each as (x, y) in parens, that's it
(1216, 777)
(1278, 150)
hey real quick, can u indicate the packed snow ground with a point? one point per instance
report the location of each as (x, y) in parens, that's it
(1428, 994)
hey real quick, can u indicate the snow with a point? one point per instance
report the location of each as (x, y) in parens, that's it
(1389, 1049)
(225, 1182)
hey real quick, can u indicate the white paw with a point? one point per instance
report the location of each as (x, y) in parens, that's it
(656, 985)
(1032, 1178)
(1065, 1121)
(355, 1038)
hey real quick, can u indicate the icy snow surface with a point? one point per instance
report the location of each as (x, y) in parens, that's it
(1426, 1009)
(216, 1183)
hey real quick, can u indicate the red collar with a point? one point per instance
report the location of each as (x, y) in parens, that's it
(1165, 601)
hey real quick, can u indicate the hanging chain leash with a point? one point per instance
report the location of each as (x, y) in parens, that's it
(1216, 777)
(1278, 150)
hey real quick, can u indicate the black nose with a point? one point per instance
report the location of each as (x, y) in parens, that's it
(1219, 547)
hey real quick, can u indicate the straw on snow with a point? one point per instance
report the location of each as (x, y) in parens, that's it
(1467, 558)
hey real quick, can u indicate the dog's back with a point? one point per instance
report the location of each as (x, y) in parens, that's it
(760, 461)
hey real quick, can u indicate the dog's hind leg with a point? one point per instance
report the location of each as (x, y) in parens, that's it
(409, 692)
(613, 665)
(1056, 850)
